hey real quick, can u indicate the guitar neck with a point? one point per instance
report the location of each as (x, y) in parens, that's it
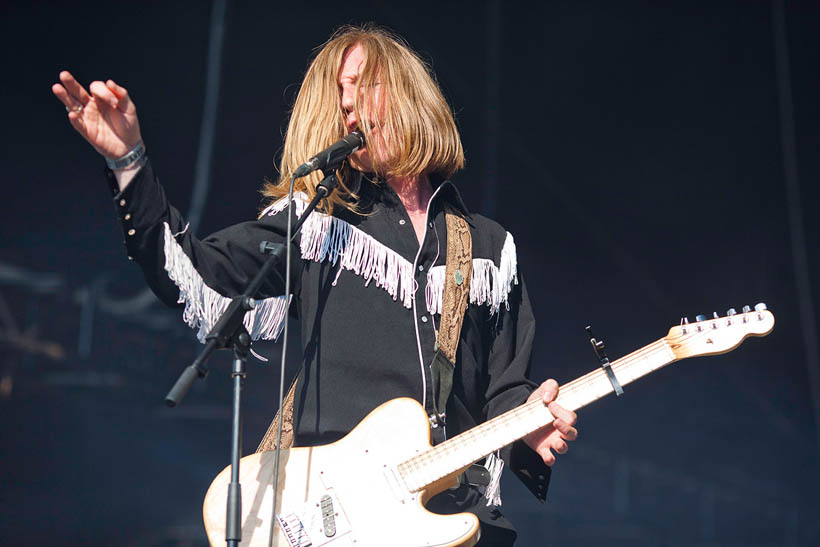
(460, 451)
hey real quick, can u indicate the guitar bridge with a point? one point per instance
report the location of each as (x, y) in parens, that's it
(295, 533)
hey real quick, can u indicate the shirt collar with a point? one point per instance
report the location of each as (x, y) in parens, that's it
(449, 193)
(366, 184)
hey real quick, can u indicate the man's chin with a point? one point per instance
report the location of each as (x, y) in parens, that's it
(361, 163)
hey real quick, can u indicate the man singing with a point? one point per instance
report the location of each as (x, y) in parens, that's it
(368, 287)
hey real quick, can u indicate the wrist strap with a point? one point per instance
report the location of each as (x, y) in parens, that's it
(130, 158)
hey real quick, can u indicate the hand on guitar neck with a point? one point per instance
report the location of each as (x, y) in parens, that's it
(552, 437)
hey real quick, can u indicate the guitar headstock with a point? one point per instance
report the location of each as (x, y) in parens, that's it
(719, 334)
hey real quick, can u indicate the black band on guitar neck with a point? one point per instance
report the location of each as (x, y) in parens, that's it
(599, 348)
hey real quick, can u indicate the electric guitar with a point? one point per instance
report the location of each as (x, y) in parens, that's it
(369, 488)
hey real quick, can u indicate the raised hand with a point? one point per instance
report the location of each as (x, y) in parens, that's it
(106, 117)
(554, 436)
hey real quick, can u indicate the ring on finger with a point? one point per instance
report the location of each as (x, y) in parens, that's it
(76, 109)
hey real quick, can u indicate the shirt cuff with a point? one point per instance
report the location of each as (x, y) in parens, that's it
(530, 469)
(139, 206)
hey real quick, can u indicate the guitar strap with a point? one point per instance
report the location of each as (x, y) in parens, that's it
(268, 441)
(458, 271)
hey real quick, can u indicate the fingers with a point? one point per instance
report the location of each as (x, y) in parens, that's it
(546, 440)
(562, 415)
(103, 95)
(73, 106)
(121, 94)
(547, 456)
(65, 97)
(567, 431)
(73, 88)
(564, 420)
(553, 437)
(549, 444)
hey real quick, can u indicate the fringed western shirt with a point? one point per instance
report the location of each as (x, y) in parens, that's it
(368, 297)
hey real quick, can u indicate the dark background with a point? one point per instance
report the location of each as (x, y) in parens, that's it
(633, 148)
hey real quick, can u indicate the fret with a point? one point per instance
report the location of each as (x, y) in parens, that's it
(681, 342)
(462, 450)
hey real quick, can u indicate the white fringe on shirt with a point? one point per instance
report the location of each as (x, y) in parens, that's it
(332, 239)
(494, 465)
(300, 198)
(327, 238)
(203, 305)
(489, 284)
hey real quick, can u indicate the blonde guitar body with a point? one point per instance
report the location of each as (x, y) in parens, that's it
(343, 494)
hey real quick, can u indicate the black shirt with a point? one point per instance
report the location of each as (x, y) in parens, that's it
(368, 297)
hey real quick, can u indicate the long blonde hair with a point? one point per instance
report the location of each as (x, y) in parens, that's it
(418, 123)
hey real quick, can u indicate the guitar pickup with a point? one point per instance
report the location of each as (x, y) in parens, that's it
(328, 518)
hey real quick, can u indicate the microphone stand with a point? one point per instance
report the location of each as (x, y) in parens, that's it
(229, 331)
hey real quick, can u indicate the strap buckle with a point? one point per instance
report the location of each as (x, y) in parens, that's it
(437, 419)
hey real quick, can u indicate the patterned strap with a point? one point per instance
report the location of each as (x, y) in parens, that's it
(454, 303)
(269, 440)
(456, 283)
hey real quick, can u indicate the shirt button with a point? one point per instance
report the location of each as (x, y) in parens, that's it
(122, 203)
(127, 216)
(130, 257)
(423, 318)
(421, 268)
(430, 225)
(402, 222)
(132, 232)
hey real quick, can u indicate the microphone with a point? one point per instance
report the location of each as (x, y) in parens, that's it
(332, 156)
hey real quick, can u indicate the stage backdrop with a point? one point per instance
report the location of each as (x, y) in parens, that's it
(653, 160)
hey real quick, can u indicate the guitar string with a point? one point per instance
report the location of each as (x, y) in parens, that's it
(525, 411)
(433, 457)
(573, 387)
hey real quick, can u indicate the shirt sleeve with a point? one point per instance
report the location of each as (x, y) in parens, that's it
(203, 274)
(508, 365)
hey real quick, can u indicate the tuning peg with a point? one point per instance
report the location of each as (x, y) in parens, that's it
(715, 315)
(700, 318)
(760, 307)
(731, 311)
(746, 309)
